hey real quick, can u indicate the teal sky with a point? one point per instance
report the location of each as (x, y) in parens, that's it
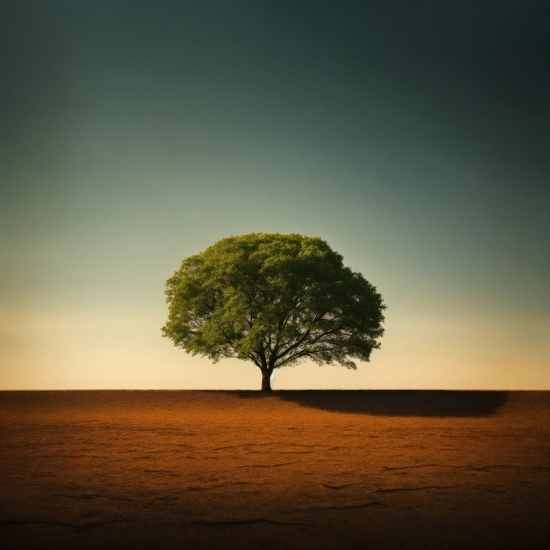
(413, 136)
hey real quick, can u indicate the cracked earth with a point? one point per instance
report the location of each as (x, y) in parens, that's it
(197, 469)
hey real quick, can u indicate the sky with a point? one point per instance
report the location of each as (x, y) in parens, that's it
(412, 136)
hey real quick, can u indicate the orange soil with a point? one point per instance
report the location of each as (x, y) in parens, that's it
(319, 469)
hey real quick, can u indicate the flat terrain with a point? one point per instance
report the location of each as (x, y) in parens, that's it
(295, 469)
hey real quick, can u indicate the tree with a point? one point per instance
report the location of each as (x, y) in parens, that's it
(274, 300)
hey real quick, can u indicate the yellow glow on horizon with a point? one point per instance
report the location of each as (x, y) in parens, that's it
(124, 350)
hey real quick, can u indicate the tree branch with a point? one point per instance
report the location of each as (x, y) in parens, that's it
(315, 339)
(255, 361)
(295, 356)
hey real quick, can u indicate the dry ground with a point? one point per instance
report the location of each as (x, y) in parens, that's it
(318, 469)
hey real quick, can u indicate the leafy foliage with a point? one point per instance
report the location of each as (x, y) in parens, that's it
(273, 299)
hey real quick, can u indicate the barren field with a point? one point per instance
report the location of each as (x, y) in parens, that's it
(295, 469)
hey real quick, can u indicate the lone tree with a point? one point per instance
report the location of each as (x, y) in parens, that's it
(274, 300)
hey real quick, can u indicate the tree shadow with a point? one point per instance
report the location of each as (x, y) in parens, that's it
(434, 403)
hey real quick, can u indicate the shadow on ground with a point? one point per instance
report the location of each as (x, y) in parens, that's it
(443, 403)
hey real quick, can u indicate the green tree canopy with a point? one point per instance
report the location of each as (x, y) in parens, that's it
(274, 300)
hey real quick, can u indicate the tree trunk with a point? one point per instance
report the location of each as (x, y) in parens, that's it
(266, 380)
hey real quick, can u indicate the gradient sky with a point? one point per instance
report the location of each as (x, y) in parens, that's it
(413, 136)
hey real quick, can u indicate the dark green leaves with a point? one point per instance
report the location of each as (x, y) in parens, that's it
(273, 299)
